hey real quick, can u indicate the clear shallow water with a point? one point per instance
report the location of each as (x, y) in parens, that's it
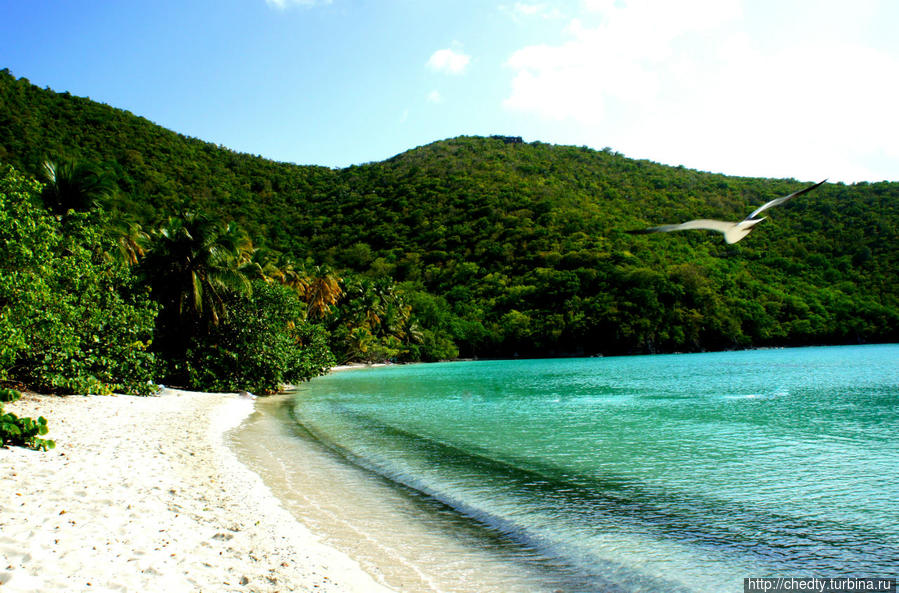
(678, 473)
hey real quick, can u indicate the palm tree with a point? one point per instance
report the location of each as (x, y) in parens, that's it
(323, 291)
(359, 343)
(132, 241)
(374, 321)
(74, 186)
(192, 267)
(260, 263)
(294, 277)
(193, 263)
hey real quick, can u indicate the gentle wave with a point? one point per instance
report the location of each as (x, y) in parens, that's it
(644, 484)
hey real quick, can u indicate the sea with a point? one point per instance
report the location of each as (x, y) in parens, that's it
(676, 473)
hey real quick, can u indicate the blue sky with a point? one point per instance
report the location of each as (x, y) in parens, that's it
(774, 88)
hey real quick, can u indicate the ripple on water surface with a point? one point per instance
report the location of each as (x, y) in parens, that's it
(686, 472)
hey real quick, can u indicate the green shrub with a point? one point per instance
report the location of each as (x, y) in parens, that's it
(262, 342)
(71, 319)
(24, 432)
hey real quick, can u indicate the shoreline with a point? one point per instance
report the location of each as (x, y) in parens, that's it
(403, 537)
(355, 366)
(145, 494)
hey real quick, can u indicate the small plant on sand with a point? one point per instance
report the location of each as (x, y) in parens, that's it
(24, 432)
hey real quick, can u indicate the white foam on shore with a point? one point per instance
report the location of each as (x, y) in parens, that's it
(143, 494)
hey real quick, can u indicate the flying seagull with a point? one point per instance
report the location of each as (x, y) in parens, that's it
(733, 231)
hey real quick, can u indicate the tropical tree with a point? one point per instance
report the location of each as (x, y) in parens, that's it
(74, 185)
(373, 322)
(323, 292)
(193, 263)
(294, 277)
(358, 345)
(131, 240)
(260, 263)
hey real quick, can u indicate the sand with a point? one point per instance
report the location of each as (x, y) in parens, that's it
(143, 494)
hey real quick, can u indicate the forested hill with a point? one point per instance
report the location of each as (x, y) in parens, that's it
(507, 247)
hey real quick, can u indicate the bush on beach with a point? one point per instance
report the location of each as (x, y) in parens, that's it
(262, 343)
(71, 318)
(24, 432)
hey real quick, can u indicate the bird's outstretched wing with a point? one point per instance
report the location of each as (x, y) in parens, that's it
(702, 223)
(732, 231)
(781, 200)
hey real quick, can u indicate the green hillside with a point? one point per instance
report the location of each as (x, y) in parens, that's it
(508, 248)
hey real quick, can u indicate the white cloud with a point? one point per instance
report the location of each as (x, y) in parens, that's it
(448, 61)
(528, 9)
(532, 9)
(284, 4)
(617, 60)
(692, 83)
(435, 97)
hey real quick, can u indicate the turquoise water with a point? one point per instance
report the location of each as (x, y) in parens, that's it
(675, 472)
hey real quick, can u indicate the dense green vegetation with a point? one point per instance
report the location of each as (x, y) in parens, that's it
(71, 317)
(86, 307)
(470, 246)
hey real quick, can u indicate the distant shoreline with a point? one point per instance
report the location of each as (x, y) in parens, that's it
(353, 366)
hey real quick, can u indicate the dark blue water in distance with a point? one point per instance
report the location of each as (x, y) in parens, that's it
(647, 473)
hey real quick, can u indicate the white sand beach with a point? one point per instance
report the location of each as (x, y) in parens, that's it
(142, 494)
